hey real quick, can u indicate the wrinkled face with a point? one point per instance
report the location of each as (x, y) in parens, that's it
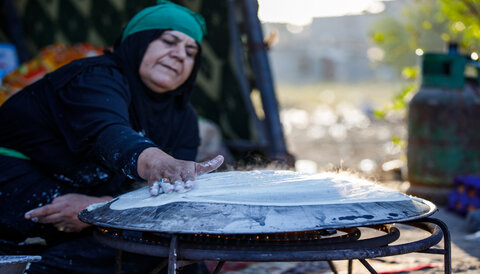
(168, 61)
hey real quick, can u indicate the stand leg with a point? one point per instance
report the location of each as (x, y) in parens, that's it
(172, 256)
(219, 267)
(332, 267)
(119, 262)
(368, 266)
(446, 244)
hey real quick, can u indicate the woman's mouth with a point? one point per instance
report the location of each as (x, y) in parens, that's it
(169, 68)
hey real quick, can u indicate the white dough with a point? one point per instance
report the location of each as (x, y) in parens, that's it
(267, 187)
(95, 206)
(167, 187)
(155, 189)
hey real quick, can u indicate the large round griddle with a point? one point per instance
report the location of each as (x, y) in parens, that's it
(242, 202)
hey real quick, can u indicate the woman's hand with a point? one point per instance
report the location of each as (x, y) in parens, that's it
(154, 165)
(62, 213)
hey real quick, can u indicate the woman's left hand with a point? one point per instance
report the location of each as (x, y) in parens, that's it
(62, 213)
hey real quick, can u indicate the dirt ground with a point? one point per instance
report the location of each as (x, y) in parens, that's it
(465, 253)
(332, 127)
(465, 256)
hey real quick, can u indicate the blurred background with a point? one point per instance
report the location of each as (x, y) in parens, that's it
(345, 72)
(387, 90)
(326, 88)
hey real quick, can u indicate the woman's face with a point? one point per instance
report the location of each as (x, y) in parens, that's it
(168, 61)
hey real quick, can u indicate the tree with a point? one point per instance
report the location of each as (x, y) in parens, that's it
(421, 25)
(424, 26)
(428, 25)
(463, 22)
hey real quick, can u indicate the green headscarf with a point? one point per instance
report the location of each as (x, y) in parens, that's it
(167, 15)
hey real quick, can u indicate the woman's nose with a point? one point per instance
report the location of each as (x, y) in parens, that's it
(179, 52)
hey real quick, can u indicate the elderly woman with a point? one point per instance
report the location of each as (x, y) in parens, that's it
(87, 131)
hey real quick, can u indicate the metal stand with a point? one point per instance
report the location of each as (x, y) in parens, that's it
(355, 250)
(260, 65)
(172, 256)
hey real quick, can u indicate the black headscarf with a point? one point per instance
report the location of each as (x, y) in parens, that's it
(151, 112)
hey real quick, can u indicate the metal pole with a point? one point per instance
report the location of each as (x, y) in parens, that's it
(368, 266)
(447, 246)
(332, 267)
(172, 255)
(236, 45)
(263, 77)
(219, 267)
(119, 262)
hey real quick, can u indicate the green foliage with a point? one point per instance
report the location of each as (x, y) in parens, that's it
(411, 73)
(421, 25)
(399, 142)
(390, 35)
(399, 102)
(427, 25)
(463, 21)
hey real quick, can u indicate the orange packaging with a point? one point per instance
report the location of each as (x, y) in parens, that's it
(49, 59)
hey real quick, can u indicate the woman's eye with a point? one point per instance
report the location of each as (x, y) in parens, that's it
(168, 42)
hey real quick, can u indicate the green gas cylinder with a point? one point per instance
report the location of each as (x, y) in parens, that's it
(443, 127)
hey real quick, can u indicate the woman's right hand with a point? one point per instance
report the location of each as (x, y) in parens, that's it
(153, 165)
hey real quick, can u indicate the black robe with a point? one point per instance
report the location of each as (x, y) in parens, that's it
(94, 116)
(76, 123)
(83, 127)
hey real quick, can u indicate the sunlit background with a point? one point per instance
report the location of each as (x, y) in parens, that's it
(345, 72)
(302, 12)
(330, 79)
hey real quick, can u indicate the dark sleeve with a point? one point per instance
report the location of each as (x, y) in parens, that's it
(189, 139)
(94, 119)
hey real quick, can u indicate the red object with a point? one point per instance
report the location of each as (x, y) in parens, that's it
(49, 59)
